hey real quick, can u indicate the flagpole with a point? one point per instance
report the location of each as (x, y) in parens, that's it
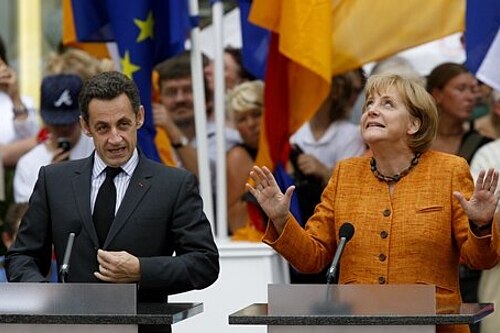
(220, 117)
(200, 113)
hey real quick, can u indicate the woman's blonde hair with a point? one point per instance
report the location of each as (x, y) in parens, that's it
(417, 100)
(246, 96)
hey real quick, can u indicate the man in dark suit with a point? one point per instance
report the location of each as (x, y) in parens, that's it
(158, 209)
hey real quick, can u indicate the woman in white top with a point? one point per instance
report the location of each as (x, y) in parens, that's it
(327, 137)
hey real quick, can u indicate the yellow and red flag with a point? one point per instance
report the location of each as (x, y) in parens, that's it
(312, 40)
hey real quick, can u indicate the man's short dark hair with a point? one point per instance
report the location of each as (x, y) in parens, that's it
(107, 86)
(235, 53)
(178, 67)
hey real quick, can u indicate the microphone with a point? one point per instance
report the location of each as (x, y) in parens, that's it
(64, 271)
(346, 232)
(332, 304)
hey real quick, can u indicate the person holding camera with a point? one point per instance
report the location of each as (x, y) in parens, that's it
(327, 138)
(60, 114)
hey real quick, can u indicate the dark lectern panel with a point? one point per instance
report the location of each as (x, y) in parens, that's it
(157, 313)
(356, 304)
(73, 303)
(258, 314)
(148, 314)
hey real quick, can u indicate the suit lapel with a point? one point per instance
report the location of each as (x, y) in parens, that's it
(137, 188)
(81, 189)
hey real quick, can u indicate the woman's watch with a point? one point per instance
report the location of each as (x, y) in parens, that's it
(183, 142)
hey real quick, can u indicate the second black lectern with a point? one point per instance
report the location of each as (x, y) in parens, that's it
(355, 309)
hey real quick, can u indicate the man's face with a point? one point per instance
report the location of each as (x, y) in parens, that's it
(177, 96)
(232, 73)
(113, 126)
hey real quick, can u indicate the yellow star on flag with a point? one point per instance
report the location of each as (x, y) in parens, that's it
(128, 68)
(145, 27)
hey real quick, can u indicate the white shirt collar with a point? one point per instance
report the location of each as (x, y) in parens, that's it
(128, 167)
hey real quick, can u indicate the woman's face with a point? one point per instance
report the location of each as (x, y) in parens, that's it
(386, 119)
(248, 124)
(458, 96)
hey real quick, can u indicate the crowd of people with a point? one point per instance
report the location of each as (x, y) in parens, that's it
(415, 170)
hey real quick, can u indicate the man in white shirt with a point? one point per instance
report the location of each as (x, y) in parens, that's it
(60, 113)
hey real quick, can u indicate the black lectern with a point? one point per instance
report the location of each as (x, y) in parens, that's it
(355, 308)
(83, 307)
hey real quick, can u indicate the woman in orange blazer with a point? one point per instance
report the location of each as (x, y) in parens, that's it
(416, 212)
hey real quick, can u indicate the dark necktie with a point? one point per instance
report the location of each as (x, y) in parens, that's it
(105, 202)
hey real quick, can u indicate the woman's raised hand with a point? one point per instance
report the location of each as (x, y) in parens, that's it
(482, 205)
(267, 192)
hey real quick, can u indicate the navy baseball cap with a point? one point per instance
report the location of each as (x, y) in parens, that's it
(59, 99)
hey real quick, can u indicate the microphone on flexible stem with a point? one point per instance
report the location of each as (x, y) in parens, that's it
(332, 305)
(64, 271)
(346, 232)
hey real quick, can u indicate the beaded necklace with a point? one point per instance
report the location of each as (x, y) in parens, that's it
(395, 178)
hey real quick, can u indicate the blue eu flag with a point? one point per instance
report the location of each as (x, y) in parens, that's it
(255, 43)
(146, 33)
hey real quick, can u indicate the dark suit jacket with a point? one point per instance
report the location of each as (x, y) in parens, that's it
(161, 214)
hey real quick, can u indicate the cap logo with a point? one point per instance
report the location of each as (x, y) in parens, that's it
(64, 98)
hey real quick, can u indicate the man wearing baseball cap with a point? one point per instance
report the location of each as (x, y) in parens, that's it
(60, 114)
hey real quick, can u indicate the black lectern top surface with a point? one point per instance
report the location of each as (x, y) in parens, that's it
(86, 303)
(258, 314)
(356, 304)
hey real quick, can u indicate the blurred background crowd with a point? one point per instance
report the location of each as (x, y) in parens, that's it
(41, 73)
